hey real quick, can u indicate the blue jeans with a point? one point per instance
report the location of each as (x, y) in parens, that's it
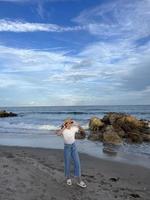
(70, 151)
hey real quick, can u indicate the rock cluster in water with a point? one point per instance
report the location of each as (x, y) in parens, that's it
(114, 128)
(4, 113)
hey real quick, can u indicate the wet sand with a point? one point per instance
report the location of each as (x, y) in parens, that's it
(38, 174)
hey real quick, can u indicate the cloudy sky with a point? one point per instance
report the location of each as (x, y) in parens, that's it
(74, 52)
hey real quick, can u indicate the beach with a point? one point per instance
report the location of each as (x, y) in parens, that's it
(38, 174)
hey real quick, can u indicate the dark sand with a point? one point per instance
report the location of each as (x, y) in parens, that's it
(38, 174)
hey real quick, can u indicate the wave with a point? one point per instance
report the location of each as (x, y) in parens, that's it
(62, 112)
(48, 127)
(25, 126)
(22, 125)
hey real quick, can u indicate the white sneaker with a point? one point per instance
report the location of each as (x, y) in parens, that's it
(69, 181)
(82, 184)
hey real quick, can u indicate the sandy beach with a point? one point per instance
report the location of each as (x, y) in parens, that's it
(38, 174)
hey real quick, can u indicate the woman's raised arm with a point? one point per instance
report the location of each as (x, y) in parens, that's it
(60, 131)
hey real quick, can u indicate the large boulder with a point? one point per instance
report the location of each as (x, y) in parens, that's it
(4, 113)
(95, 124)
(110, 136)
(80, 134)
(95, 127)
(130, 123)
(95, 136)
(126, 122)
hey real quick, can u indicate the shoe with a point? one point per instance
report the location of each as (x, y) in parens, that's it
(82, 184)
(69, 182)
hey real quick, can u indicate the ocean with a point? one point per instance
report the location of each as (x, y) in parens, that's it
(36, 126)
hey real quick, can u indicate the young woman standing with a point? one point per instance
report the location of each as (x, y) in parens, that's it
(68, 130)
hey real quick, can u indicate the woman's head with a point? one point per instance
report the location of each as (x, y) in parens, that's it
(68, 123)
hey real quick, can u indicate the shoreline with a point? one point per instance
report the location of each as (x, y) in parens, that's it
(30, 173)
(95, 149)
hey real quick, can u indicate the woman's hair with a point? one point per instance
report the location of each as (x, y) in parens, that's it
(69, 120)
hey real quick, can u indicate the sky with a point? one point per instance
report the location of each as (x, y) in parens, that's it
(74, 52)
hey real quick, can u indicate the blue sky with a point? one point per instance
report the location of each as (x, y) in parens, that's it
(74, 52)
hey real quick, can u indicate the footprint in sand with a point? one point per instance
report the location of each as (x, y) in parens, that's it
(113, 179)
(134, 195)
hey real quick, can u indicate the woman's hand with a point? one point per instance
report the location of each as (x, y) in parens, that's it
(59, 132)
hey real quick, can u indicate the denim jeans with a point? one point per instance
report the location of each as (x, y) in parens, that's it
(70, 151)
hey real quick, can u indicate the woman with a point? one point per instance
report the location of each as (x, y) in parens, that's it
(68, 130)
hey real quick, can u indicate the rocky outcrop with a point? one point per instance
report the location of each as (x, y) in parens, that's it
(114, 127)
(95, 124)
(4, 113)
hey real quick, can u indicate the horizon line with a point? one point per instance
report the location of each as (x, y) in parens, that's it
(76, 105)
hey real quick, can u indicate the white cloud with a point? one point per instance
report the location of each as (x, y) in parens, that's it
(40, 10)
(118, 19)
(28, 60)
(20, 26)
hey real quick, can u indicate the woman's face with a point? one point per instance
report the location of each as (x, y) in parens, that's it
(69, 124)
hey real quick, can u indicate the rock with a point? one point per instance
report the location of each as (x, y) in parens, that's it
(3, 113)
(80, 134)
(135, 137)
(95, 124)
(129, 123)
(146, 137)
(124, 121)
(111, 118)
(111, 149)
(119, 131)
(146, 129)
(95, 136)
(112, 138)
